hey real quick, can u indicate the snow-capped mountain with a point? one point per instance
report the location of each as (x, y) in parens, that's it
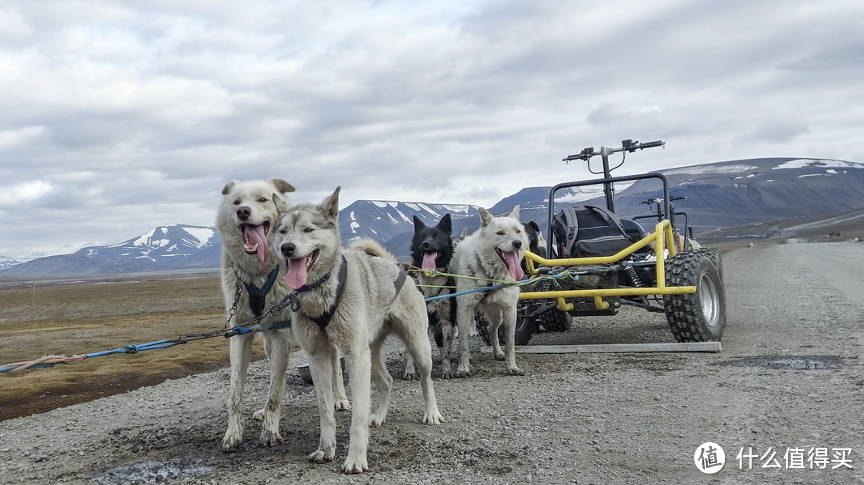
(6, 263)
(728, 194)
(162, 245)
(718, 195)
(383, 220)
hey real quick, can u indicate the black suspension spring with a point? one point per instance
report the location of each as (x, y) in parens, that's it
(634, 276)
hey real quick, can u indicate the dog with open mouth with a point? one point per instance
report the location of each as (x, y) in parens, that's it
(250, 285)
(490, 256)
(431, 253)
(351, 299)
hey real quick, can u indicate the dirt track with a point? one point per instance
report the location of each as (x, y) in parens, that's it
(790, 377)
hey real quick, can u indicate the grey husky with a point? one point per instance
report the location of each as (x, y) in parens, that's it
(490, 256)
(351, 299)
(250, 268)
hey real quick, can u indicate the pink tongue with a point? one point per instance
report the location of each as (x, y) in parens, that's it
(256, 234)
(296, 276)
(514, 266)
(429, 261)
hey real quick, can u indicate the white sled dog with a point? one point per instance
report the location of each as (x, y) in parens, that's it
(493, 253)
(352, 298)
(251, 285)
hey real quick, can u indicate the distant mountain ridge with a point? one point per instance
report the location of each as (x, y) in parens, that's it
(718, 195)
(160, 245)
(6, 263)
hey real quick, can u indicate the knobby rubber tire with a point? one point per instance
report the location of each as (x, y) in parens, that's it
(526, 327)
(701, 316)
(714, 256)
(554, 320)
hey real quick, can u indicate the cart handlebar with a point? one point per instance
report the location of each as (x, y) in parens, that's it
(626, 145)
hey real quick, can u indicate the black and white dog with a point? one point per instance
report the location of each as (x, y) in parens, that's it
(431, 253)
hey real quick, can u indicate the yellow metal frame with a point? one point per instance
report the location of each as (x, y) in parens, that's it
(662, 237)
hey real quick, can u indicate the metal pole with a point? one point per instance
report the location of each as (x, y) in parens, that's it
(608, 188)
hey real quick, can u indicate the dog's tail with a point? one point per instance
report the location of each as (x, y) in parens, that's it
(373, 248)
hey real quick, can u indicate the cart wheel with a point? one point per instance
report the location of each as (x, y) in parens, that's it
(554, 320)
(526, 327)
(701, 316)
(714, 256)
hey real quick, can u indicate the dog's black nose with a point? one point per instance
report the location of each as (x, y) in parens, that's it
(243, 212)
(288, 249)
(517, 244)
(426, 244)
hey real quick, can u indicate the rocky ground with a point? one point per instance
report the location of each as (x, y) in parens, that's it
(786, 390)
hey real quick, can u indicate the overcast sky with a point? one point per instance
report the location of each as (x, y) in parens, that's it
(118, 116)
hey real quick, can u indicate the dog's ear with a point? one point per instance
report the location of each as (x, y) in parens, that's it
(533, 225)
(418, 224)
(485, 217)
(228, 187)
(280, 203)
(330, 205)
(282, 185)
(445, 224)
(515, 212)
(462, 235)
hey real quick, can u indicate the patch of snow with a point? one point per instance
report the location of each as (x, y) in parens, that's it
(426, 208)
(820, 163)
(202, 234)
(703, 169)
(458, 208)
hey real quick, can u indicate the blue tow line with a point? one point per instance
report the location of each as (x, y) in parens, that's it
(236, 330)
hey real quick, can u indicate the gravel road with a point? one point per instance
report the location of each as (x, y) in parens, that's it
(789, 381)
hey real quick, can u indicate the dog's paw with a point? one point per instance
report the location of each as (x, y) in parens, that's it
(447, 374)
(433, 418)
(321, 456)
(499, 355)
(376, 421)
(259, 415)
(230, 444)
(342, 404)
(270, 438)
(515, 371)
(354, 466)
(463, 373)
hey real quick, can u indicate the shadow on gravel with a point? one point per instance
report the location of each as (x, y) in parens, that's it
(153, 472)
(788, 362)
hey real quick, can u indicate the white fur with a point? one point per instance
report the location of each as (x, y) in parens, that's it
(239, 267)
(369, 311)
(476, 257)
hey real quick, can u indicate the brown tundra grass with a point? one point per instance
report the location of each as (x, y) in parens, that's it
(89, 317)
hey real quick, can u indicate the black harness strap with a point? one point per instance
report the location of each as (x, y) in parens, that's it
(257, 295)
(400, 281)
(451, 285)
(324, 319)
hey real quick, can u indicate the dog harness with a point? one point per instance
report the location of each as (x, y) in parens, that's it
(257, 295)
(324, 319)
